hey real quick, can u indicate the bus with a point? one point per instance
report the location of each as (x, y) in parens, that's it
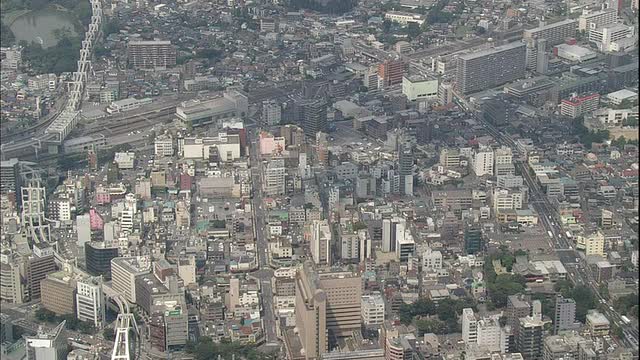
(550, 234)
(625, 319)
(569, 236)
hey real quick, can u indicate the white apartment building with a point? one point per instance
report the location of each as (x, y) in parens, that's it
(614, 117)
(483, 162)
(469, 327)
(504, 199)
(271, 112)
(90, 304)
(605, 36)
(432, 259)
(163, 145)
(274, 177)
(489, 334)
(372, 309)
(404, 18)
(599, 18)
(321, 242)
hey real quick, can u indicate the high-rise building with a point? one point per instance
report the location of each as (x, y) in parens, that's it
(565, 314)
(10, 177)
(391, 72)
(555, 33)
(47, 345)
(473, 241)
(151, 54)
(321, 242)
(483, 162)
(529, 337)
(58, 293)
(405, 169)
(503, 161)
(469, 327)
(517, 307)
(33, 199)
(599, 18)
(12, 285)
(311, 313)
(90, 301)
(489, 68)
(313, 115)
(98, 258)
(542, 57)
(372, 309)
(489, 334)
(271, 113)
(392, 229)
(39, 265)
(274, 177)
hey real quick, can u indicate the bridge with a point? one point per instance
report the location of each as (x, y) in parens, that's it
(67, 119)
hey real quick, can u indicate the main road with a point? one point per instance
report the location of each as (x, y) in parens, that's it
(265, 273)
(549, 217)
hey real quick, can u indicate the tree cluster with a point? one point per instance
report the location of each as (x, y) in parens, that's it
(447, 312)
(588, 137)
(582, 295)
(330, 7)
(6, 35)
(627, 304)
(62, 57)
(206, 349)
(500, 287)
(73, 323)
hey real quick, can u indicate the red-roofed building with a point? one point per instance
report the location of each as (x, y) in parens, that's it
(577, 106)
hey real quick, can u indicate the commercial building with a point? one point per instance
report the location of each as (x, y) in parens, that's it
(58, 293)
(483, 162)
(232, 104)
(489, 68)
(163, 145)
(617, 97)
(604, 37)
(579, 105)
(473, 241)
(39, 265)
(392, 230)
(10, 179)
(127, 105)
(311, 313)
(90, 301)
(50, 345)
(271, 112)
(597, 323)
(419, 88)
(151, 54)
(489, 334)
(574, 53)
(12, 285)
(555, 33)
(98, 258)
(312, 115)
(372, 309)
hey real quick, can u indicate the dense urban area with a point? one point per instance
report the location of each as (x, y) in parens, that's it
(319, 180)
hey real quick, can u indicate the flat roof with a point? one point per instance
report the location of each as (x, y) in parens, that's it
(495, 50)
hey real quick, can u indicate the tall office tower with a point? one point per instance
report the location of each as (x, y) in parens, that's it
(311, 313)
(274, 177)
(483, 162)
(529, 337)
(12, 287)
(542, 57)
(327, 304)
(58, 293)
(98, 258)
(517, 307)
(271, 113)
(10, 177)
(489, 68)
(555, 33)
(473, 241)
(565, 314)
(531, 53)
(47, 345)
(39, 265)
(312, 115)
(90, 301)
(489, 334)
(151, 54)
(321, 242)
(405, 169)
(469, 327)
(33, 212)
(391, 72)
(392, 229)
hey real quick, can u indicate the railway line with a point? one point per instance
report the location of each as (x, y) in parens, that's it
(133, 122)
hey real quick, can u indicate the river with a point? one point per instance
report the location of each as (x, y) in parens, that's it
(39, 26)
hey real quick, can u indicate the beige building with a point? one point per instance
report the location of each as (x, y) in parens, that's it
(326, 303)
(58, 293)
